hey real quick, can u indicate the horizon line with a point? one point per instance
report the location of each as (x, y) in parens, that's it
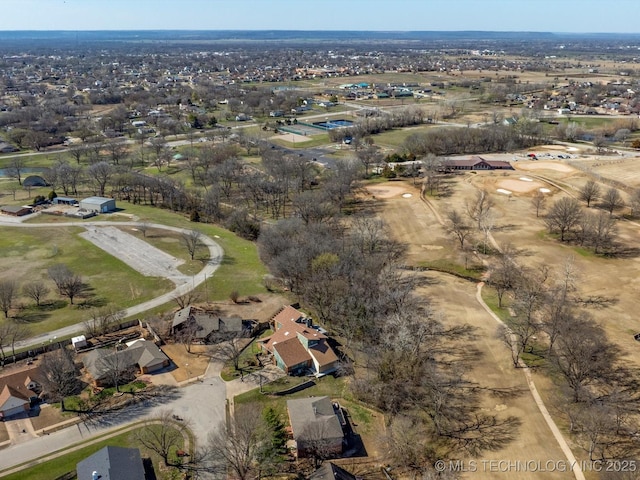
(313, 30)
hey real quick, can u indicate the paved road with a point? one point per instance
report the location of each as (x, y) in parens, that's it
(215, 258)
(201, 404)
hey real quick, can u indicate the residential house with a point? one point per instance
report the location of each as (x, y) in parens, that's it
(20, 390)
(203, 326)
(331, 471)
(475, 163)
(112, 463)
(140, 356)
(297, 346)
(315, 424)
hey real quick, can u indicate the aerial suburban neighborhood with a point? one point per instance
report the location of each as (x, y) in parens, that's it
(376, 254)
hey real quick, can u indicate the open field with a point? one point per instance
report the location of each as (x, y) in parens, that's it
(28, 253)
(241, 269)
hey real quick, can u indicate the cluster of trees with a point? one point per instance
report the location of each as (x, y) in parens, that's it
(594, 229)
(601, 386)
(68, 284)
(348, 273)
(496, 138)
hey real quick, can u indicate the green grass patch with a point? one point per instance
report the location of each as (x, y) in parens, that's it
(490, 297)
(396, 138)
(328, 385)
(584, 252)
(472, 272)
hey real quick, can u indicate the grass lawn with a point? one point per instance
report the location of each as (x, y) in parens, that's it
(328, 385)
(395, 138)
(26, 254)
(490, 297)
(67, 463)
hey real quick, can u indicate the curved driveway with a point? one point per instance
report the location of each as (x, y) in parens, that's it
(215, 258)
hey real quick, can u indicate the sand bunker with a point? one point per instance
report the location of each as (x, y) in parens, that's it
(544, 190)
(536, 165)
(519, 185)
(385, 191)
(406, 195)
(502, 190)
(526, 179)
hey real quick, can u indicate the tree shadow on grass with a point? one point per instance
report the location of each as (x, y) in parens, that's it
(31, 316)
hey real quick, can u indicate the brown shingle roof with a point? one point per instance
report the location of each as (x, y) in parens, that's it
(292, 352)
(323, 353)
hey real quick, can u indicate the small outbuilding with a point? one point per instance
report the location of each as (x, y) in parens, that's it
(65, 201)
(98, 204)
(16, 210)
(79, 342)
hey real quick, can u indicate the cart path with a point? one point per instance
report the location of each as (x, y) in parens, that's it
(557, 434)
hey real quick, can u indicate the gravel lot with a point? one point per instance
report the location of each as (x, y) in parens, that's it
(136, 253)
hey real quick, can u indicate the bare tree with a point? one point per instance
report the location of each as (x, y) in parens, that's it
(8, 292)
(60, 375)
(115, 368)
(143, 227)
(73, 287)
(612, 200)
(504, 276)
(238, 447)
(103, 320)
(457, 226)
(187, 298)
(583, 355)
(59, 273)
(368, 156)
(192, 240)
(16, 168)
(99, 174)
(315, 441)
(230, 348)
(162, 434)
(15, 334)
(590, 192)
(563, 216)
(538, 201)
(479, 207)
(36, 290)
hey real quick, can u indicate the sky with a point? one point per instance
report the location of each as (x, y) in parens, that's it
(580, 16)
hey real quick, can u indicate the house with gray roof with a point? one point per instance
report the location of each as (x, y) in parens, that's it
(316, 426)
(205, 326)
(112, 463)
(141, 356)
